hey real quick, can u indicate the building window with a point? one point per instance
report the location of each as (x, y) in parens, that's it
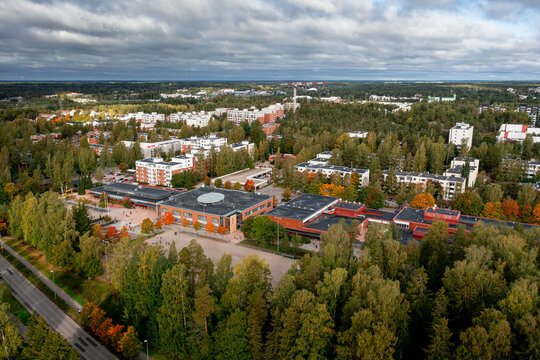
(187, 215)
(215, 221)
(201, 218)
(176, 213)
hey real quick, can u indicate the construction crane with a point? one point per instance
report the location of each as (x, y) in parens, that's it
(295, 84)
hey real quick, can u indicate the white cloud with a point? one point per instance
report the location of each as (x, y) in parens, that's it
(257, 39)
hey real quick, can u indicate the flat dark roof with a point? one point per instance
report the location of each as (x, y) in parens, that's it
(234, 201)
(348, 205)
(324, 221)
(145, 193)
(410, 214)
(379, 214)
(303, 206)
(443, 211)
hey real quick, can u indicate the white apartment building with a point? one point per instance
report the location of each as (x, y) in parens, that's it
(358, 134)
(517, 133)
(456, 169)
(192, 119)
(461, 133)
(155, 171)
(153, 149)
(451, 185)
(320, 164)
(268, 114)
(204, 141)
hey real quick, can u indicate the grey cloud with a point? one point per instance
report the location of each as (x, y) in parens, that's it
(239, 39)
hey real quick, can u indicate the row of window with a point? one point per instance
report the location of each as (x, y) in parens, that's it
(188, 216)
(257, 209)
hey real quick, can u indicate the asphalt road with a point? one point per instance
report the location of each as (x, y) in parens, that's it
(36, 302)
(59, 291)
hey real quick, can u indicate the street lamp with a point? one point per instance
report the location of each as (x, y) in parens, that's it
(55, 283)
(147, 357)
(277, 226)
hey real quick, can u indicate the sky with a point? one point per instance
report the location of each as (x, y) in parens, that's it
(269, 40)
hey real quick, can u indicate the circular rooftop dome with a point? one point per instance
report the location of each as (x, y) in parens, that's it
(210, 198)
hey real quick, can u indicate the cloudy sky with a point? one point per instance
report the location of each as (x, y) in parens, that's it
(269, 40)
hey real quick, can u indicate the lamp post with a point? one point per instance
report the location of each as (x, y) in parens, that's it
(277, 227)
(146, 341)
(52, 271)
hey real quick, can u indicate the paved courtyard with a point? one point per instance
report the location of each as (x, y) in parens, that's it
(214, 249)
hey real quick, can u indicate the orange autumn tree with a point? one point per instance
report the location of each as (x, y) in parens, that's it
(124, 232)
(210, 227)
(327, 189)
(423, 201)
(111, 234)
(196, 225)
(510, 209)
(493, 210)
(222, 230)
(338, 191)
(184, 222)
(97, 231)
(249, 186)
(168, 218)
(159, 224)
(536, 214)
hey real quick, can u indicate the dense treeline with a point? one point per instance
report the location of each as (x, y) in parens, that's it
(475, 299)
(39, 343)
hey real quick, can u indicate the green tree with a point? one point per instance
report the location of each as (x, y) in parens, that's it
(440, 345)
(231, 340)
(434, 252)
(10, 340)
(175, 311)
(223, 275)
(307, 328)
(44, 343)
(130, 345)
(469, 203)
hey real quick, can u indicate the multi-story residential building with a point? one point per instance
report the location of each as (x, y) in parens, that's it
(529, 168)
(203, 141)
(461, 134)
(244, 145)
(451, 185)
(441, 98)
(145, 119)
(358, 134)
(155, 171)
(486, 107)
(320, 165)
(193, 119)
(517, 133)
(93, 136)
(457, 166)
(153, 149)
(268, 114)
(269, 128)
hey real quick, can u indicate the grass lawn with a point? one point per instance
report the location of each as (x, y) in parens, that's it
(82, 290)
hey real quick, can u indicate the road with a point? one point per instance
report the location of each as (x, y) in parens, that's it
(36, 302)
(59, 292)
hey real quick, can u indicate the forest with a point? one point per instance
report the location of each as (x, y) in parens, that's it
(475, 298)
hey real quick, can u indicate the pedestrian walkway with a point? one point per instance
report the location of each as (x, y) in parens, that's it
(59, 292)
